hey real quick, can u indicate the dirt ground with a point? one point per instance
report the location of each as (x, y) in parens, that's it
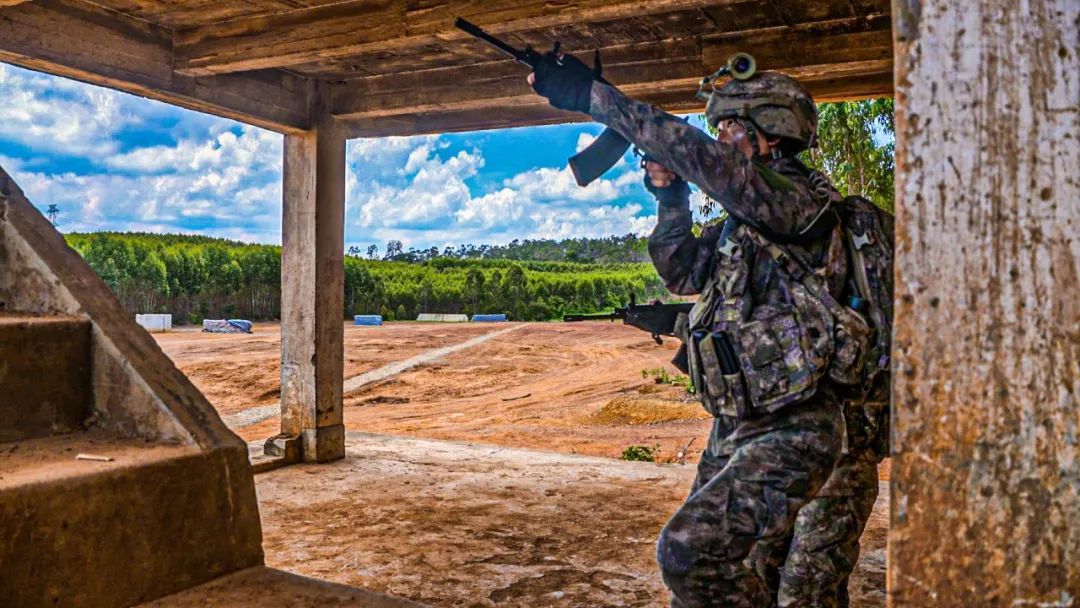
(238, 371)
(544, 386)
(470, 525)
(461, 521)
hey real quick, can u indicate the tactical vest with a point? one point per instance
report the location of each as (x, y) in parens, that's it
(748, 358)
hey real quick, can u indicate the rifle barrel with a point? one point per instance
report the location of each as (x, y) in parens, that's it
(610, 316)
(474, 30)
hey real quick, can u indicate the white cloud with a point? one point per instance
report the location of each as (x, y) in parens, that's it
(429, 200)
(229, 186)
(252, 150)
(66, 117)
(583, 141)
(431, 189)
(47, 113)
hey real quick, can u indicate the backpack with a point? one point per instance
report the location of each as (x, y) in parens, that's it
(862, 349)
(869, 235)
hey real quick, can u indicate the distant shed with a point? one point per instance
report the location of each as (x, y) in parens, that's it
(155, 323)
(431, 317)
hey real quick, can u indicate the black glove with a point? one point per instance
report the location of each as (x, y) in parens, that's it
(675, 194)
(565, 81)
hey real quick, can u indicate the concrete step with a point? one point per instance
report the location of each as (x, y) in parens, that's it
(44, 375)
(150, 520)
(262, 586)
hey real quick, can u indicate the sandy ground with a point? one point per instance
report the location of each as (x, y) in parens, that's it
(469, 525)
(238, 371)
(487, 524)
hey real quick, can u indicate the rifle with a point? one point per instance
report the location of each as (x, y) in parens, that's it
(656, 318)
(604, 151)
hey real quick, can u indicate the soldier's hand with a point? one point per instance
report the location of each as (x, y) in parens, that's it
(564, 80)
(659, 175)
(669, 189)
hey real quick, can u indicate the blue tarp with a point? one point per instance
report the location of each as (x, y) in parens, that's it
(367, 320)
(231, 326)
(489, 318)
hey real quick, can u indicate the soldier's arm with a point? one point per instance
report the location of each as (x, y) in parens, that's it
(748, 191)
(681, 259)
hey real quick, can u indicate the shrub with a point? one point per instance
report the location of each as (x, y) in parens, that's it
(661, 376)
(640, 453)
(658, 374)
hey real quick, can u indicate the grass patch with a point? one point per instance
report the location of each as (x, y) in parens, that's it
(640, 453)
(660, 375)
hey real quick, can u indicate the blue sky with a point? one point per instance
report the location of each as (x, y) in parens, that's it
(113, 161)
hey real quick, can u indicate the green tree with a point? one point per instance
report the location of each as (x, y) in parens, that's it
(856, 146)
(515, 288)
(474, 288)
(194, 277)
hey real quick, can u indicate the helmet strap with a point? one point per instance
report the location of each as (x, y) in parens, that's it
(752, 130)
(751, 134)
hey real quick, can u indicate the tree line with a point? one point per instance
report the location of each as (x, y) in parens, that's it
(194, 277)
(605, 250)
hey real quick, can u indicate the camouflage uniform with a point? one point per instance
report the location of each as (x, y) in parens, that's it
(825, 546)
(811, 566)
(764, 465)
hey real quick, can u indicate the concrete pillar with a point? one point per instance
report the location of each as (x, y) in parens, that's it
(312, 290)
(986, 394)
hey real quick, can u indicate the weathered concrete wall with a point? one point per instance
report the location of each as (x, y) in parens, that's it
(986, 413)
(137, 531)
(92, 537)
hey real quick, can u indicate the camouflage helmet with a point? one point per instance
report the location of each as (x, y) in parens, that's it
(775, 103)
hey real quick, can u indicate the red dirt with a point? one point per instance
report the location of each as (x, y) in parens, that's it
(239, 371)
(477, 531)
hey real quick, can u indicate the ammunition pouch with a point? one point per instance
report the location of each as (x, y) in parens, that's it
(717, 379)
(851, 333)
(750, 360)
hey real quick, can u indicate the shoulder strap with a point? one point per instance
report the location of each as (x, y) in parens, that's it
(799, 272)
(818, 230)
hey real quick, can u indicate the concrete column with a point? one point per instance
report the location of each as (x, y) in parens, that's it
(312, 290)
(986, 395)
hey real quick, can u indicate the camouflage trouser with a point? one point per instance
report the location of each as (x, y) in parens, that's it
(810, 568)
(758, 475)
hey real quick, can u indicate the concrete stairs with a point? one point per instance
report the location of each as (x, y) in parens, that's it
(262, 586)
(102, 518)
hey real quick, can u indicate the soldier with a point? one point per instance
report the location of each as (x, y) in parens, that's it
(770, 352)
(811, 566)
